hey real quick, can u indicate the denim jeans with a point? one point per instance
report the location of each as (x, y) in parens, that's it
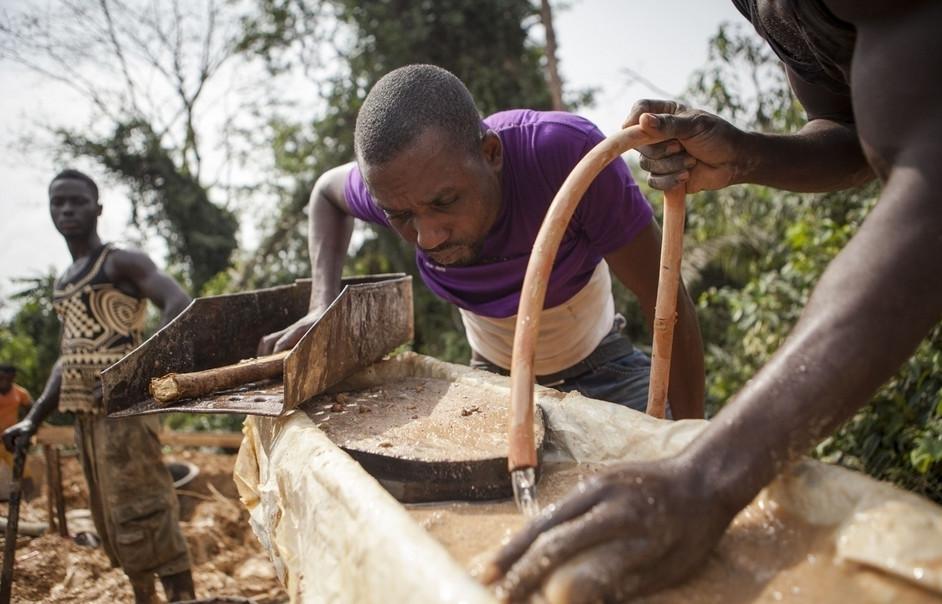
(623, 380)
(615, 371)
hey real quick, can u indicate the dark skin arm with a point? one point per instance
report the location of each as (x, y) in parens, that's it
(883, 287)
(706, 152)
(329, 231)
(636, 266)
(135, 273)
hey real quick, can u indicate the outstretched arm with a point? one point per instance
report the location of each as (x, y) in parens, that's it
(645, 526)
(329, 232)
(883, 287)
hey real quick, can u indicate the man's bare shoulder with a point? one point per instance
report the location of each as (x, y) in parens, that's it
(125, 263)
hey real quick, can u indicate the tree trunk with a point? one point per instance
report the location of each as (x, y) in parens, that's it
(552, 71)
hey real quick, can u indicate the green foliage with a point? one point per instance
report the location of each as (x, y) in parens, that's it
(200, 235)
(203, 422)
(898, 436)
(30, 339)
(744, 81)
(484, 43)
(755, 255)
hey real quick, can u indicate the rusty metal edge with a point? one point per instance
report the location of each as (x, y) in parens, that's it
(351, 286)
(397, 289)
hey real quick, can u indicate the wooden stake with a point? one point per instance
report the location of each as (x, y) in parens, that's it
(55, 494)
(665, 308)
(50, 507)
(176, 386)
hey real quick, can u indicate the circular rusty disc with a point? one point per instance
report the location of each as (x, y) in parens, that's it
(425, 439)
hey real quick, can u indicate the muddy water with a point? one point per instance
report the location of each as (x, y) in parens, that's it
(472, 531)
(766, 556)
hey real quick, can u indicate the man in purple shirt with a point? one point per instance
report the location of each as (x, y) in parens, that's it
(470, 195)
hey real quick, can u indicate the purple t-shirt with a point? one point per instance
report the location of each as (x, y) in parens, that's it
(540, 149)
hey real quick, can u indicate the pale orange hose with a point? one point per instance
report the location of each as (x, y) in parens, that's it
(522, 453)
(665, 309)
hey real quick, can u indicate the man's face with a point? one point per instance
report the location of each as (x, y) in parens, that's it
(73, 207)
(6, 382)
(441, 198)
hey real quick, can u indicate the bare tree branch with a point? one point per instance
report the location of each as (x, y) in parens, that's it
(119, 53)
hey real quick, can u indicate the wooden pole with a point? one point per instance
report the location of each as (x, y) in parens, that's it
(176, 386)
(13, 518)
(665, 308)
(522, 453)
(54, 476)
(50, 506)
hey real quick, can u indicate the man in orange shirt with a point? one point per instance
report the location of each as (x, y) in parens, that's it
(12, 397)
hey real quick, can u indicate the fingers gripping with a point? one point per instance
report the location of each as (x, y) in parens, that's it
(267, 343)
(667, 165)
(651, 106)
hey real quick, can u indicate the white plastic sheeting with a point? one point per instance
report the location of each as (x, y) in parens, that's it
(335, 535)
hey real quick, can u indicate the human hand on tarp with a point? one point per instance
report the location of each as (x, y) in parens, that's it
(634, 529)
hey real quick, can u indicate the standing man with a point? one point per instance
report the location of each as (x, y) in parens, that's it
(101, 301)
(867, 74)
(470, 194)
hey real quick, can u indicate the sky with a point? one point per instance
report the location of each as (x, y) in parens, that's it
(664, 40)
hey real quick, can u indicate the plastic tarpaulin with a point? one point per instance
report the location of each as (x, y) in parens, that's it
(335, 535)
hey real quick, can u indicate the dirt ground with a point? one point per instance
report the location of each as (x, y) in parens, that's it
(227, 558)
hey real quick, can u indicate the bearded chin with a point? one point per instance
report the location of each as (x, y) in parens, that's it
(473, 256)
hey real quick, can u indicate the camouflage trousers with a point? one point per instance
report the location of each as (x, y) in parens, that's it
(131, 495)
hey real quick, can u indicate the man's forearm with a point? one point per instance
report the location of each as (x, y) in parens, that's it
(175, 308)
(822, 156)
(48, 401)
(874, 304)
(328, 239)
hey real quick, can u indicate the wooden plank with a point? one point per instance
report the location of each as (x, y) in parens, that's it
(50, 505)
(55, 493)
(65, 435)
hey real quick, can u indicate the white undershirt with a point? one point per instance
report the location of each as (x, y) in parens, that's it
(568, 332)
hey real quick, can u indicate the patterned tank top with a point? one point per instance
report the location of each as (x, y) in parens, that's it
(100, 324)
